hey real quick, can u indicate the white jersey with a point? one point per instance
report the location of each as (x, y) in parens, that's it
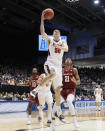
(98, 92)
(55, 55)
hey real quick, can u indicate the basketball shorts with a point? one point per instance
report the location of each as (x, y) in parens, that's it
(98, 98)
(57, 81)
(45, 97)
(66, 92)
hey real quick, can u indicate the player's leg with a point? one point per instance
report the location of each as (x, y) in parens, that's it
(99, 103)
(96, 103)
(31, 100)
(51, 118)
(70, 99)
(41, 98)
(49, 101)
(57, 99)
(54, 102)
(99, 106)
(30, 110)
(57, 83)
(37, 104)
(58, 104)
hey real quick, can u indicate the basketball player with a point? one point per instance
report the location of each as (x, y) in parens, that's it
(70, 80)
(44, 94)
(33, 85)
(56, 48)
(98, 95)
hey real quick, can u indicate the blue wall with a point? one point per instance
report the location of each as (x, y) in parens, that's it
(84, 38)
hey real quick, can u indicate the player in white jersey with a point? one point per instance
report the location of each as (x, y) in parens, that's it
(56, 48)
(45, 96)
(98, 95)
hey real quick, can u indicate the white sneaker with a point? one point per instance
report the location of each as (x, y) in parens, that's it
(52, 127)
(29, 122)
(76, 125)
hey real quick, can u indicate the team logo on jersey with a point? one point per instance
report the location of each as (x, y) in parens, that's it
(69, 74)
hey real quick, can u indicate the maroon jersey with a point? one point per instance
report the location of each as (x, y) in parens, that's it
(69, 87)
(33, 80)
(67, 75)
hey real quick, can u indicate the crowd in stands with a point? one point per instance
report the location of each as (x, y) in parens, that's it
(19, 76)
(14, 75)
(90, 77)
(85, 97)
(15, 97)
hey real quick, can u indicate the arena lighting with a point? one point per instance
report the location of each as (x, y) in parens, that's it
(96, 2)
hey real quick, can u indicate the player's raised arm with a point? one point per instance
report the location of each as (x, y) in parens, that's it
(42, 29)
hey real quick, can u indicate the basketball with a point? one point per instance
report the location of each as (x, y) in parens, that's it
(48, 13)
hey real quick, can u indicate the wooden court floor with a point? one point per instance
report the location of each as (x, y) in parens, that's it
(89, 120)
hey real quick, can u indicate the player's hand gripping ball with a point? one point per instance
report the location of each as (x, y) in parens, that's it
(48, 14)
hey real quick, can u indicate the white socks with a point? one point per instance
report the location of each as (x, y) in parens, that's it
(49, 112)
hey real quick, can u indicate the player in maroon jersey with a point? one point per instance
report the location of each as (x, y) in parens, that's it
(33, 85)
(70, 80)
